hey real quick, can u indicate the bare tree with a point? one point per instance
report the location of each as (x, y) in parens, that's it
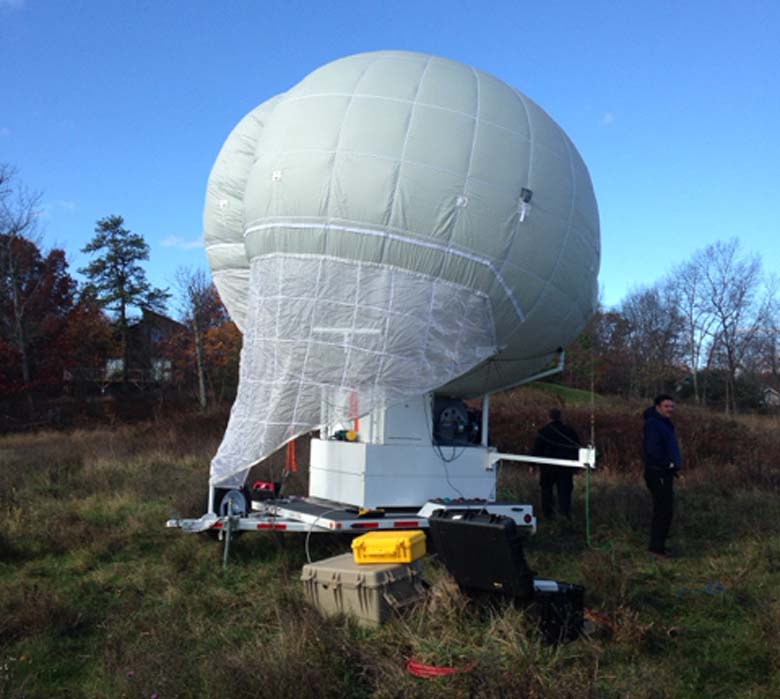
(19, 208)
(654, 337)
(740, 305)
(699, 324)
(201, 310)
(764, 357)
(772, 336)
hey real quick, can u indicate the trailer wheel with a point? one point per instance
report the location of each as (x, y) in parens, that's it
(229, 500)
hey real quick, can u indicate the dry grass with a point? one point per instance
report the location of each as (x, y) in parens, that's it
(98, 599)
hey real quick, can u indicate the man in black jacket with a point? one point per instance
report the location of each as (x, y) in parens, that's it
(662, 464)
(556, 441)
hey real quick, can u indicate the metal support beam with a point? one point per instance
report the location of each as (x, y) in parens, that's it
(587, 459)
(485, 418)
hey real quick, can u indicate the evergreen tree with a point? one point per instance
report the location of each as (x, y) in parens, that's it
(116, 278)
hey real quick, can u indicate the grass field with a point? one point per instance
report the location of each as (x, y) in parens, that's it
(567, 395)
(98, 599)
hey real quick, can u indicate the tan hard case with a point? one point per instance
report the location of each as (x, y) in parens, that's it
(372, 593)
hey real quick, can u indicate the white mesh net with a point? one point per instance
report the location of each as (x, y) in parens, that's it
(328, 338)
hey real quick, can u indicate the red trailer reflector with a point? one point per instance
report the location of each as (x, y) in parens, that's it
(269, 525)
(413, 523)
(527, 519)
(366, 525)
(217, 525)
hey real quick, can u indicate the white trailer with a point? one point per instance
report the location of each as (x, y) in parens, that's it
(403, 463)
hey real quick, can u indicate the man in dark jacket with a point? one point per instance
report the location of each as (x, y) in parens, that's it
(556, 441)
(662, 464)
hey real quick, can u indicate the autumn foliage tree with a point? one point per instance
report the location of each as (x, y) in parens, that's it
(18, 226)
(44, 326)
(87, 340)
(222, 351)
(36, 294)
(202, 312)
(600, 356)
(205, 352)
(61, 330)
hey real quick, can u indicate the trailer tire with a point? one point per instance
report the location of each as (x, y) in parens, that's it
(240, 497)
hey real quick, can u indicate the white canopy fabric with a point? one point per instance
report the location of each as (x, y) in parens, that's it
(393, 224)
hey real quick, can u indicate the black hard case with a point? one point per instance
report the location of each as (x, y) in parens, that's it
(483, 552)
(561, 612)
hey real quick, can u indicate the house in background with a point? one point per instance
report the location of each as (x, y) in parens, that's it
(770, 398)
(147, 341)
(149, 357)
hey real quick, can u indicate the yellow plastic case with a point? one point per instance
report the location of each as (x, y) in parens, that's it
(389, 547)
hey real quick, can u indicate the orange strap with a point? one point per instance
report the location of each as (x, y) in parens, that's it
(291, 461)
(353, 411)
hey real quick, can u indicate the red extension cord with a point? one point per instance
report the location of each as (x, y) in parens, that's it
(428, 672)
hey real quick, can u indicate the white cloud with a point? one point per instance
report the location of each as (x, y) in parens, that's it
(49, 209)
(607, 119)
(176, 241)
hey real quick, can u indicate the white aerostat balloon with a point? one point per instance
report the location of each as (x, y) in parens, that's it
(395, 223)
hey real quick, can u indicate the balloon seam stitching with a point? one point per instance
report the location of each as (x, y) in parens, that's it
(394, 194)
(565, 243)
(420, 243)
(378, 265)
(428, 105)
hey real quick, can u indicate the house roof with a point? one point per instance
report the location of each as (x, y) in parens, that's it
(155, 318)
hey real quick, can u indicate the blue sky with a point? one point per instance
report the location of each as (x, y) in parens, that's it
(120, 107)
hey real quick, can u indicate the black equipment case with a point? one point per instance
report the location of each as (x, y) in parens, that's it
(482, 551)
(561, 609)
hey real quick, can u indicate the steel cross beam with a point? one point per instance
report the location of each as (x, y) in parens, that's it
(587, 459)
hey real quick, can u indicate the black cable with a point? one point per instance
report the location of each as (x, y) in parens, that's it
(311, 529)
(437, 449)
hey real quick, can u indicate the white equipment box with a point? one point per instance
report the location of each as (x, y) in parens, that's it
(398, 475)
